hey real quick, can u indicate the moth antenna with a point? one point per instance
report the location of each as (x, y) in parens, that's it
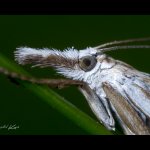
(122, 42)
(123, 47)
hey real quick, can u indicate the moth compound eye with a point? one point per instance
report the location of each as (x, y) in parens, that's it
(87, 63)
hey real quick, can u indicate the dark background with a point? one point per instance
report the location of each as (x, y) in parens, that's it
(19, 106)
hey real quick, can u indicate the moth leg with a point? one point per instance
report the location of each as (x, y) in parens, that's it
(59, 83)
(130, 120)
(97, 107)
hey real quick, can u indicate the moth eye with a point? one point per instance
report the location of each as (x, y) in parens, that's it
(87, 63)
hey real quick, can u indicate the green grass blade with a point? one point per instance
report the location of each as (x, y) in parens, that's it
(57, 102)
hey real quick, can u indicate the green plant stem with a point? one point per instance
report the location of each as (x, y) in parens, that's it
(57, 102)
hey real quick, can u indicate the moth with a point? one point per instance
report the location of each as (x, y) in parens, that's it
(113, 89)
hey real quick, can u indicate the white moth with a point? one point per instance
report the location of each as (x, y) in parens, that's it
(113, 88)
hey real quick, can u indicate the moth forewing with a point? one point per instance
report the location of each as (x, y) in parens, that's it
(139, 96)
(132, 123)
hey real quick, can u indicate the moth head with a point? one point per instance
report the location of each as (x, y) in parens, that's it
(70, 62)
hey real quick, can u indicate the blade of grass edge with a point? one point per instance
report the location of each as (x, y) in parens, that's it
(57, 102)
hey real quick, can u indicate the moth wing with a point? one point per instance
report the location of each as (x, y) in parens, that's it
(128, 117)
(138, 93)
(97, 107)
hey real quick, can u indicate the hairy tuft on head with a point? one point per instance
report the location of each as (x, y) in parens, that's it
(46, 57)
(25, 55)
(65, 62)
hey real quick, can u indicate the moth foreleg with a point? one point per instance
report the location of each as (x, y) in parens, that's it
(58, 83)
(97, 107)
